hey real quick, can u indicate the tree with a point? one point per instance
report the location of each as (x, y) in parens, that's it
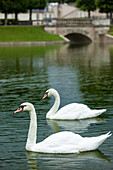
(13, 6)
(86, 5)
(62, 1)
(35, 4)
(105, 6)
(19, 6)
(5, 7)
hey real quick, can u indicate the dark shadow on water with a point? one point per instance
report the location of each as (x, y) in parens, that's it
(78, 44)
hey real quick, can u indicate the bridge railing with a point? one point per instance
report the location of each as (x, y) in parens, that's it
(62, 22)
(72, 22)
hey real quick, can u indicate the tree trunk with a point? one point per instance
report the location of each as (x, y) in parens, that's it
(30, 15)
(5, 22)
(107, 15)
(111, 17)
(89, 14)
(16, 16)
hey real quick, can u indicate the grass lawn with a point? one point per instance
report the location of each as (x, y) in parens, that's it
(111, 31)
(25, 33)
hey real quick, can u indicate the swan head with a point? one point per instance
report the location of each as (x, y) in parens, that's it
(50, 92)
(25, 107)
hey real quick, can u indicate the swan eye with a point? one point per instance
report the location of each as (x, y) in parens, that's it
(22, 106)
(47, 93)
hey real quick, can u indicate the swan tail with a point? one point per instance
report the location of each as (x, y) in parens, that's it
(96, 113)
(109, 134)
(102, 138)
(101, 111)
(94, 142)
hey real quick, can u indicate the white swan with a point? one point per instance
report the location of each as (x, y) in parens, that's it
(71, 111)
(62, 142)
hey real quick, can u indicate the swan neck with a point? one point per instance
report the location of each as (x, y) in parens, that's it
(32, 133)
(55, 106)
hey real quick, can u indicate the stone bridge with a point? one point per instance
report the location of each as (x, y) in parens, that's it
(78, 30)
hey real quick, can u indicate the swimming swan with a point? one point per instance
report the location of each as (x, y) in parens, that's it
(62, 142)
(71, 111)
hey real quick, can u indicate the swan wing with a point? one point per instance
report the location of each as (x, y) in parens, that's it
(77, 111)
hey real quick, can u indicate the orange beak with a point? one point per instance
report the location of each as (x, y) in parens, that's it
(44, 96)
(18, 110)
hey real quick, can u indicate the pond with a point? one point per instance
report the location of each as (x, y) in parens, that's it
(81, 74)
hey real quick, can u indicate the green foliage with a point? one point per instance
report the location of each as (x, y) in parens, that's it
(86, 5)
(19, 6)
(59, 1)
(13, 6)
(10, 6)
(105, 6)
(111, 31)
(62, 1)
(26, 33)
(6, 6)
(36, 4)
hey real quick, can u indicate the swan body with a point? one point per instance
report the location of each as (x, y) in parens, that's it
(71, 111)
(62, 142)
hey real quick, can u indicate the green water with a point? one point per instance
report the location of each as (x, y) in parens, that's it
(81, 74)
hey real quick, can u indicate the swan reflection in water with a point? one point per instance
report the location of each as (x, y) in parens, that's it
(41, 160)
(78, 126)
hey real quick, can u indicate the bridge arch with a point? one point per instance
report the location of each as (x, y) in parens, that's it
(78, 38)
